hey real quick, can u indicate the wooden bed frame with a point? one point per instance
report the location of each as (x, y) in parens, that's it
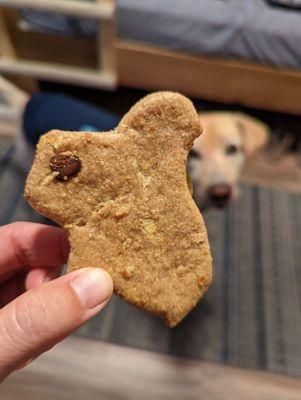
(102, 75)
(109, 62)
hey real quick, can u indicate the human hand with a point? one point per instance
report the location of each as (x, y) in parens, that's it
(37, 309)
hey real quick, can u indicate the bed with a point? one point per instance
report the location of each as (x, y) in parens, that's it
(229, 29)
(226, 50)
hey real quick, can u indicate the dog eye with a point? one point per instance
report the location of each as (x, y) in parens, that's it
(231, 149)
(195, 154)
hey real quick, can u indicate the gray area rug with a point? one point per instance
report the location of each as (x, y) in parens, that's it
(251, 315)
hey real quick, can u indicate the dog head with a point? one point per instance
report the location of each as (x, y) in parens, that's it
(219, 154)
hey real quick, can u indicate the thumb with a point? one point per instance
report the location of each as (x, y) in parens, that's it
(41, 317)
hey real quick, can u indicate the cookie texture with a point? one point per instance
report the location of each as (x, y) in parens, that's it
(124, 199)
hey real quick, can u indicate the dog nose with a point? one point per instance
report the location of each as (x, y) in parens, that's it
(220, 194)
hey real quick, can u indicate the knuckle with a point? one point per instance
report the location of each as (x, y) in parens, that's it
(23, 249)
(32, 319)
(16, 225)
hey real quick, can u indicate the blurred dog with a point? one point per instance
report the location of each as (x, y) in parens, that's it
(219, 154)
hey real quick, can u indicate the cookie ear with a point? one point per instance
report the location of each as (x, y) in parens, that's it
(54, 185)
(164, 114)
(255, 133)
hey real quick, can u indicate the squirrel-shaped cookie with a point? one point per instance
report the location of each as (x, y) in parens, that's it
(123, 197)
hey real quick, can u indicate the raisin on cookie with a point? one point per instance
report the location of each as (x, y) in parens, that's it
(123, 197)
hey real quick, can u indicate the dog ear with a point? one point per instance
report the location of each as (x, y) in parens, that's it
(163, 114)
(255, 133)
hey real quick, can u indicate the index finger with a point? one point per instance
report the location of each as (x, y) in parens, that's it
(27, 244)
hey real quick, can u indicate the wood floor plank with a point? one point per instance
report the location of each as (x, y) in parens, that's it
(84, 369)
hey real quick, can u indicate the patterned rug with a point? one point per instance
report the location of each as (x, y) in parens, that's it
(251, 315)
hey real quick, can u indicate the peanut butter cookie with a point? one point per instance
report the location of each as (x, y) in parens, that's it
(123, 197)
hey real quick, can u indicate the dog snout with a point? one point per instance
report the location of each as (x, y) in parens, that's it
(220, 194)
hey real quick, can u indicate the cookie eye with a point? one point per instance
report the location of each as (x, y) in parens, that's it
(231, 149)
(195, 154)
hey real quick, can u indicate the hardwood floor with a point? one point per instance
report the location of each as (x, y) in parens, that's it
(80, 369)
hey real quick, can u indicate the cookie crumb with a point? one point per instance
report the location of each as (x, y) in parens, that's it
(123, 211)
(126, 243)
(149, 227)
(180, 271)
(144, 179)
(50, 178)
(201, 281)
(127, 273)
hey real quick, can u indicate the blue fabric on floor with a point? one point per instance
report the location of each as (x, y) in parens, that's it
(45, 112)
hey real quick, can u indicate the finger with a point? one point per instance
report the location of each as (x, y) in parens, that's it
(41, 317)
(31, 245)
(37, 276)
(23, 280)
